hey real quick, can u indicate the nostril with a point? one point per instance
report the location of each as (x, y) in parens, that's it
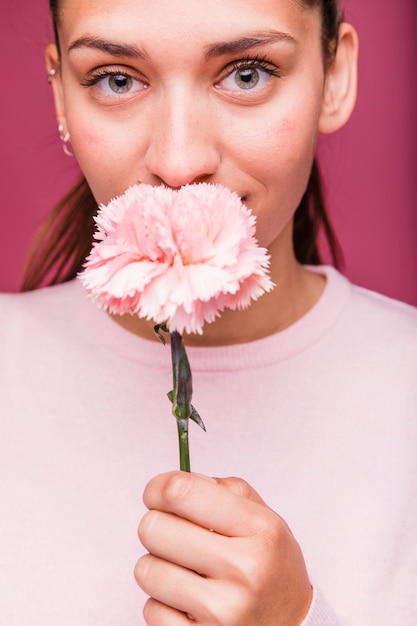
(172, 181)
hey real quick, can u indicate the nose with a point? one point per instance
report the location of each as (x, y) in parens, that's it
(182, 147)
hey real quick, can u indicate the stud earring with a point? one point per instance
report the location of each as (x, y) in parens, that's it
(51, 74)
(65, 138)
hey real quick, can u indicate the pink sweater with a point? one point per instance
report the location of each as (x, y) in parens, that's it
(321, 419)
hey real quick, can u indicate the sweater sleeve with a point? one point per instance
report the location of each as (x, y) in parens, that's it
(320, 613)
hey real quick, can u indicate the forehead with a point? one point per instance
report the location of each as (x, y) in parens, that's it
(183, 20)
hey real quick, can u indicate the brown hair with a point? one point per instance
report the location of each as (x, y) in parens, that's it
(64, 238)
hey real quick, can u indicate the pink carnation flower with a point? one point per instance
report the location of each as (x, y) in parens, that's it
(176, 257)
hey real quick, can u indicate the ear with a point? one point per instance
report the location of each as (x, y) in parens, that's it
(340, 87)
(53, 63)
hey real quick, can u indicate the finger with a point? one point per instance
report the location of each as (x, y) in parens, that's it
(172, 585)
(191, 546)
(174, 539)
(240, 488)
(157, 614)
(210, 504)
(200, 600)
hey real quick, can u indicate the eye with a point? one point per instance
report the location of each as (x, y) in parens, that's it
(112, 82)
(244, 79)
(119, 83)
(248, 75)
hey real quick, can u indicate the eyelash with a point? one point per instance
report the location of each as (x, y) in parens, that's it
(242, 64)
(255, 63)
(103, 72)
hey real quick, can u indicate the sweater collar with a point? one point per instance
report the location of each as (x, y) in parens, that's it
(284, 345)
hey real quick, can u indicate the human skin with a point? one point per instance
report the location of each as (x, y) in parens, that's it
(184, 117)
(219, 555)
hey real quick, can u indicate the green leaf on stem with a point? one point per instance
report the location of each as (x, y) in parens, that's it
(195, 416)
(183, 387)
(157, 330)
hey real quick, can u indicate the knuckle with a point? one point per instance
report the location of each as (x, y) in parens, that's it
(272, 530)
(255, 570)
(252, 569)
(248, 569)
(177, 487)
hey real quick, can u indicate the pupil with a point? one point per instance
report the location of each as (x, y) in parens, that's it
(246, 76)
(247, 79)
(120, 82)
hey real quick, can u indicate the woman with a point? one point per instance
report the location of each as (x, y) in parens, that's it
(308, 394)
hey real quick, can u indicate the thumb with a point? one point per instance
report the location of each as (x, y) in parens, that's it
(241, 488)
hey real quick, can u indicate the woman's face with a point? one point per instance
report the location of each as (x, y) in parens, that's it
(177, 92)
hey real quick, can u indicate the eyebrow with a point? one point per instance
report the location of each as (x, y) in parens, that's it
(115, 49)
(222, 48)
(241, 44)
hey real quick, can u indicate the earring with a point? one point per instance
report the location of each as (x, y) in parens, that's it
(51, 74)
(65, 140)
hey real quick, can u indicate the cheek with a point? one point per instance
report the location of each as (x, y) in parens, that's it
(90, 145)
(287, 145)
(104, 158)
(281, 162)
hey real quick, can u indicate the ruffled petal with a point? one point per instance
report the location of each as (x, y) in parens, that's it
(176, 257)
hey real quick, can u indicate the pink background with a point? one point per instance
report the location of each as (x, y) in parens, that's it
(370, 165)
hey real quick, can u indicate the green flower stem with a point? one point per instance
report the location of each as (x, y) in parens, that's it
(182, 381)
(182, 391)
(181, 396)
(182, 425)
